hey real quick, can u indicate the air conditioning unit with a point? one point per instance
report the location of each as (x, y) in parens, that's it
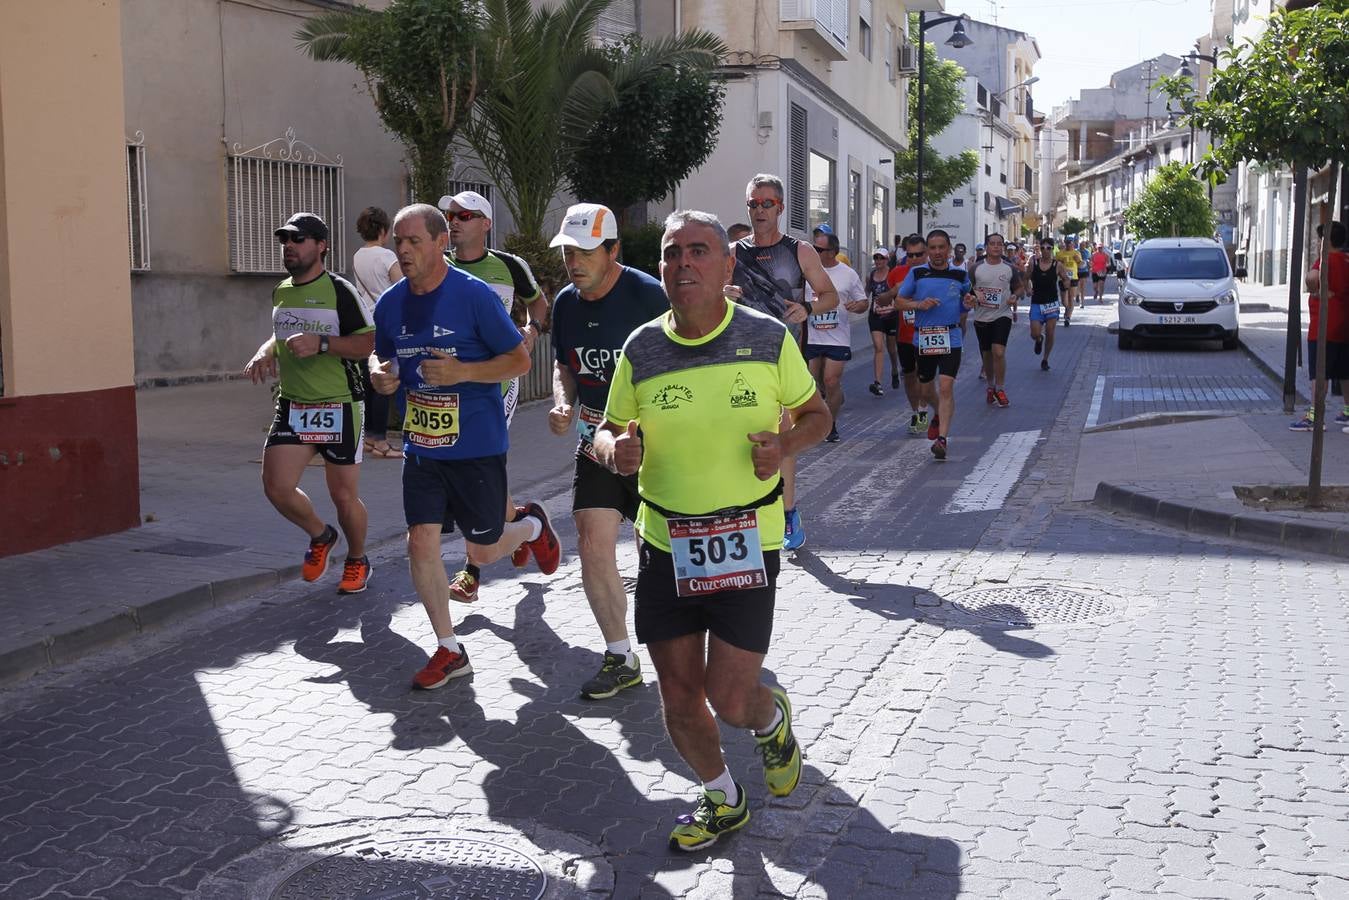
(907, 59)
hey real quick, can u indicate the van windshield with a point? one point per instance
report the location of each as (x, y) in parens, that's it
(1179, 264)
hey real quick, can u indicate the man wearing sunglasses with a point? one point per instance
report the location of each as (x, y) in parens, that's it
(828, 339)
(771, 274)
(469, 215)
(320, 334)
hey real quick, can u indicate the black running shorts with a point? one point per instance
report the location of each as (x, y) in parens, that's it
(945, 364)
(908, 358)
(333, 429)
(995, 332)
(742, 619)
(595, 487)
(888, 325)
(469, 492)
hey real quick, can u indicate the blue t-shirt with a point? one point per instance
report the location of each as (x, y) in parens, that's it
(948, 286)
(463, 317)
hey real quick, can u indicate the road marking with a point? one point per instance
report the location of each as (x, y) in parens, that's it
(986, 488)
(1163, 394)
(1097, 396)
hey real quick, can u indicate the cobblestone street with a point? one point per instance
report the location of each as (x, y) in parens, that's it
(1033, 699)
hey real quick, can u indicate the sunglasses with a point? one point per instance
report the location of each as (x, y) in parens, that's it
(465, 215)
(761, 204)
(826, 250)
(915, 255)
(287, 237)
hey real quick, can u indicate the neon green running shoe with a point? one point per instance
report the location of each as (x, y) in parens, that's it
(781, 755)
(710, 819)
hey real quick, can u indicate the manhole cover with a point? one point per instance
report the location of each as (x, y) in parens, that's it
(1030, 605)
(425, 869)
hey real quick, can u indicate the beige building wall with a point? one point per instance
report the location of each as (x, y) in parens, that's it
(64, 290)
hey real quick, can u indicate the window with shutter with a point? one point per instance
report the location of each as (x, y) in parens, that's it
(616, 22)
(138, 228)
(798, 159)
(864, 10)
(839, 20)
(267, 185)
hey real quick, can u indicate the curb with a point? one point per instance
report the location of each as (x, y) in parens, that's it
(1304, 537)
(1275, 375)
(85, 637)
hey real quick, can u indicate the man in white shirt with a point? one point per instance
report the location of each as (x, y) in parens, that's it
(828, 342)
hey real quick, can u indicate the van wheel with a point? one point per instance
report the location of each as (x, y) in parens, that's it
(1230, 341)
(1126, 340)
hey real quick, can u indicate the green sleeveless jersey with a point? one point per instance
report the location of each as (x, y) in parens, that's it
(326, 306)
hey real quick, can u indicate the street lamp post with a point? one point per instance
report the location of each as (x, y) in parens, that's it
(1186, 72)
(958, 39)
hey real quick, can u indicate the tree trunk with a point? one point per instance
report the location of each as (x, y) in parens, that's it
(430, 173)
(1294, 335)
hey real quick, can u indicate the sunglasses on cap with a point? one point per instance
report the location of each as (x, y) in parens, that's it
(761, 204)
(290, 237)
(465, 215)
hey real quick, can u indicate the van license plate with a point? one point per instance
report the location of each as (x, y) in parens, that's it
(1178, 320)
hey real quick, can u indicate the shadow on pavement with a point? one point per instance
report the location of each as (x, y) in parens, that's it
(897, 602)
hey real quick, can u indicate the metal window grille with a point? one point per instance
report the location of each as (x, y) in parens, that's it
(137, 220)
(270, 183)
(617, 22)
(799, 158)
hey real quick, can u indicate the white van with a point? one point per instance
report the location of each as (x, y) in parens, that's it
(1180, 288)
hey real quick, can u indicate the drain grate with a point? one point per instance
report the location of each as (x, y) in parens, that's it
(425, 868)
(1039, 604)
(199, 549)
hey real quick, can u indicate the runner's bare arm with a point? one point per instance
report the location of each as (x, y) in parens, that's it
(350, 346)
(826, 297)
(563, 414)
(263, 364)
(445, 369)
(811, 421)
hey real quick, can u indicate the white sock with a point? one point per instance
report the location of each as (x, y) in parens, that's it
(621, 648)
(451, 643)
(726, 784)
(777, 720)
(535, 527)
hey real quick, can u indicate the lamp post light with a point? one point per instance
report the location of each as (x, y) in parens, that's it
(958, 39)
(1186, 72)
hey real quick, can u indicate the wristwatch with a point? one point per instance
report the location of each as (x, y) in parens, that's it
(537, 326)
(323, 344)
(810, 307)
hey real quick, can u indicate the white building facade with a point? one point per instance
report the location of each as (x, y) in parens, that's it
(982, 206)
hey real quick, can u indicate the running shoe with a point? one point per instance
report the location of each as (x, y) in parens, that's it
(982, 376)
(794, 535)
(1044, 365)
(1039, 345)
(1003, 402)
(922, 418)
(990, 395)
(443, 667)
(1067, 322)
(914, 427)
(614, 675)
(832, 437)
(932, 427)
(1343, 417)
(355, 575)
(710, 819)
(319, 554)
(547, 549)
(894, 383)
(463, 587)
(939, 448)
(520, 555)
(875, 388)
(781, 755)
(1306, 423)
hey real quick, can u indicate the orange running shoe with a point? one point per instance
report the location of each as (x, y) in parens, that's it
(355, 575)
(317, 557)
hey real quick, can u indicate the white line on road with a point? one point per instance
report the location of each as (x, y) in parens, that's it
(986, 488)
(1097, 396)
(1162, 394)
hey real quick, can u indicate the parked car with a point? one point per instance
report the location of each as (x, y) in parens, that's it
(1178, 288)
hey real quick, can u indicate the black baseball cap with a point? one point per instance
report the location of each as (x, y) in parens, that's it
(307, 224)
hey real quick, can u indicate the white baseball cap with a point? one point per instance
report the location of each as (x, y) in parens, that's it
(880, 251)
(586, 225)
(471, 200)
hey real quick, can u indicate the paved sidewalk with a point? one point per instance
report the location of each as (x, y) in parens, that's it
(209, 537)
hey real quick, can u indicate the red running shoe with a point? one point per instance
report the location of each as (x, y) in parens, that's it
(939, 448)
(546, 548)
(520, 555)
(443, 667)
(990, 396)
(1003, 402)
(932, 430)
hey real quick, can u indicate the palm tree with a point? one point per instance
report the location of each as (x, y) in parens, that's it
(550, 84)
(420, 59)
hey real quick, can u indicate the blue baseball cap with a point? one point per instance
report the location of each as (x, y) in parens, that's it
(823, 228)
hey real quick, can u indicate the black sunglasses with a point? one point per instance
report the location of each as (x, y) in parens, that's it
(466, 215)
(915, 255)
(825, 250)
(761, 204)
(286, 237)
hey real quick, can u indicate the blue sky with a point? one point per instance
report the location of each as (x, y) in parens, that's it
(1083, 42)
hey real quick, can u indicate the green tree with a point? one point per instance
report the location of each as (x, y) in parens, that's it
(1073, 225)
(943, 99)
(1173, 204)
(550, 86)
(661, 124)
(420, 60)
(1280, 101)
